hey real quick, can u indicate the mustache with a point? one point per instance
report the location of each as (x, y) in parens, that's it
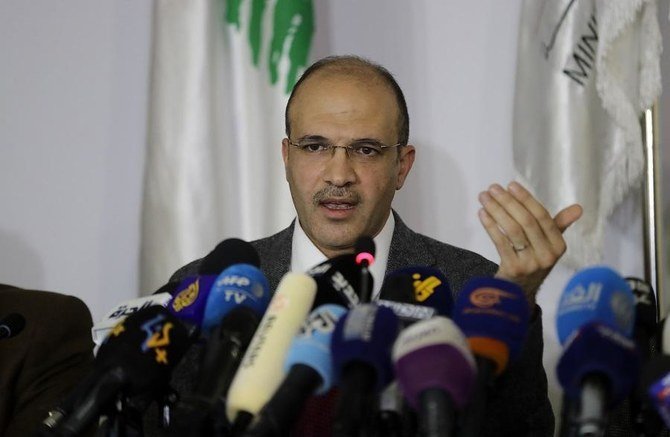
(339, 193)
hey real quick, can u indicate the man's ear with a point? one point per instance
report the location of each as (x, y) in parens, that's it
(284, 155)
(405, 162)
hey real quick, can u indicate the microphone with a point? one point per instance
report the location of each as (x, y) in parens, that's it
(397, 294)
(337, 280)
(102, 329)
(361, 351)
(309, 371)
(642, 419)
(436, 372)
(192, 293)
(595, 294)
(645, 315)
(365, 257)
(228, 252)
(430, 286)
(234, 307)
(261, 370)
(494, 316)
(597, 369)
(240, 285)
(137, 358)
(11, 325)
(653, 391)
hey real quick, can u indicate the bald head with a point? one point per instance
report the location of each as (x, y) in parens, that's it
(361, 71)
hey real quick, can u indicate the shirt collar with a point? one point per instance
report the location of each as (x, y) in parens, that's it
(305, 255)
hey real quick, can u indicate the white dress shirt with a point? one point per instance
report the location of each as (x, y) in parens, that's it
(305, 255)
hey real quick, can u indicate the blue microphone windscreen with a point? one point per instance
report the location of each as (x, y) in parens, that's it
(366, 335)
(597, 349)
(238, 285)
(595, 294)
(493, 308)
(190, 299)
(431, 287)
(311, 346)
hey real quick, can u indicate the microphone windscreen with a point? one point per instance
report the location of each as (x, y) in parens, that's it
(338, 281)
(430, 287)
(190, 300)
(148, 344)
(238, 285)
(593, 349)
(170, 288)
(398, 288)
(261, 369)
(494, 316)
(595, 294)
(11, 325)
(121, 311)
(226, 253)
(431, 354)
(311, 346)
(365, 335)
(655, 386)
(365, 250)
(645, 304)
(652, 372)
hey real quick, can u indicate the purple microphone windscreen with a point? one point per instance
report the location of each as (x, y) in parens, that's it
(190, 300)
(148, 344)
(434, 354)
(431, 287)
(365, 335)
(595, 294)
(494, 316)
(226, 253)
(597, 349)
(338, 281)
(240, 285)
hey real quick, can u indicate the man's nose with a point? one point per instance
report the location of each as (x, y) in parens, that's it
(339, 170)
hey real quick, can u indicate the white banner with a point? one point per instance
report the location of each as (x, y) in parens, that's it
(586, 71)
(220, 76)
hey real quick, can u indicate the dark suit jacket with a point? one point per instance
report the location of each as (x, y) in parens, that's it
(518, 405)
(42, 364)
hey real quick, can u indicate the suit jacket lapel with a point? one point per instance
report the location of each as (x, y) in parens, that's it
(407, 248)
(275, 254)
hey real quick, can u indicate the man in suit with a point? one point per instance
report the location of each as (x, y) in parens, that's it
(345, 155)
(41, 365)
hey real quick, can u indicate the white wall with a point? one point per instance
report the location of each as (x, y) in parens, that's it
(73, 99)
(73, 92)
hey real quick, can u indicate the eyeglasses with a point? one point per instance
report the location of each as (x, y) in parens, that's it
(360, 151)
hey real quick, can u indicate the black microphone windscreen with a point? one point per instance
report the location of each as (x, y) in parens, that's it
(226, 253)
(11, 325)
(148, 344)
(398, 288)
(365, 243)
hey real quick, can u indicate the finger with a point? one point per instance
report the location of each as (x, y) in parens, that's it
(521, 217)
(568, 216)
(549, 227)
(499, 239)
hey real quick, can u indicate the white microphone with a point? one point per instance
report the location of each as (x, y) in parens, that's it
(262, 368)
